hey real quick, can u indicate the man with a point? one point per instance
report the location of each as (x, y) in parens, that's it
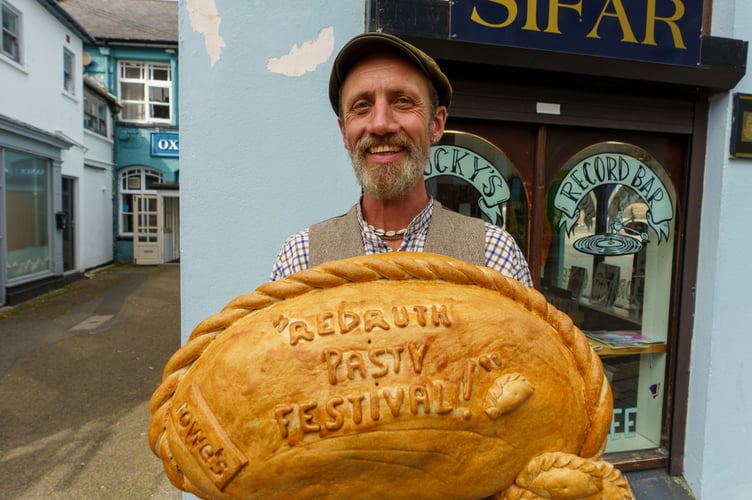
(391, 101)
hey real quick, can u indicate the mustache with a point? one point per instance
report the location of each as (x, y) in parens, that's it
(369, 141)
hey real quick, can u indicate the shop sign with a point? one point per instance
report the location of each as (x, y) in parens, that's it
(165, 144)
(622, 170)
(465, 164)
(664, 31)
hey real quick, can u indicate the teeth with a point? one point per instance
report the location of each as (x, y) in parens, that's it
(384, 148)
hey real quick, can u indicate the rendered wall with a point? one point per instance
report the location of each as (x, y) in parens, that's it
(261, 156)
(719, 435)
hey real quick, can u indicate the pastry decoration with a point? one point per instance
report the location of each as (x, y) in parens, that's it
(397, 375)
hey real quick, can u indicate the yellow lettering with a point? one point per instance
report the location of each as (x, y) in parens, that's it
(531, 22)
(510, 5)
(621, 15)
(553, 14)
(651, 18)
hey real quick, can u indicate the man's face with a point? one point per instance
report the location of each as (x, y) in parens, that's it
(387, 125)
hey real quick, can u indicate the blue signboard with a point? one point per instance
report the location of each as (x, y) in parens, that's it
(165, 144)
(664, 31)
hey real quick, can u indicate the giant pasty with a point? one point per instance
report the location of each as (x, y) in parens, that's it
(401, 375)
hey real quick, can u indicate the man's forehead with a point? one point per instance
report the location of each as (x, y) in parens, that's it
(366, 44)
(387, 64)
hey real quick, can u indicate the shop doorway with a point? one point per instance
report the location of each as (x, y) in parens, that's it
(593, 259)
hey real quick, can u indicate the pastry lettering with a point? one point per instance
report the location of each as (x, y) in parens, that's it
(345, 321)
(339, 413)
(375, 362)
(208, 445)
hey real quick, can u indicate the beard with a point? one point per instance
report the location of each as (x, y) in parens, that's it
(385, 181)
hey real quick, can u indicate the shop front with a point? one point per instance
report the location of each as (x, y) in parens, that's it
(583, 134)
(31, 219)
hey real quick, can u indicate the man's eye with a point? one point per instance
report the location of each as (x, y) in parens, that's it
(404, 101)
(360, 106)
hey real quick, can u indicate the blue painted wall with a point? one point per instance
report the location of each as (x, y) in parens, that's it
(261, 153)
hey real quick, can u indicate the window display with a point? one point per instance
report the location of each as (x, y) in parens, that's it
(610, 213)
(472, 176)
(27, 180)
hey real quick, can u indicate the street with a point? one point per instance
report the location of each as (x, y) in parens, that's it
(77, 369)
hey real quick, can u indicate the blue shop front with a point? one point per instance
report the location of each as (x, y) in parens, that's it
(147, 208)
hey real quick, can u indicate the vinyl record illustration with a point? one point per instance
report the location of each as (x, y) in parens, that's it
(608, 244)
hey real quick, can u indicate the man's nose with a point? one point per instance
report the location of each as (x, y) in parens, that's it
(383, 119)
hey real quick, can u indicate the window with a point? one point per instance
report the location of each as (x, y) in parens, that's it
(611, 212)
(68, 67)
(132, 182)
(602, 235)
(27, 180)
(11, 32)
(145, 91)
(95, 114)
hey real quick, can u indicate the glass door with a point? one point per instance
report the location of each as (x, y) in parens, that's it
(603, 217)
(147, 231)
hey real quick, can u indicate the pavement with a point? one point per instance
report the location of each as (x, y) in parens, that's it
(77, 369)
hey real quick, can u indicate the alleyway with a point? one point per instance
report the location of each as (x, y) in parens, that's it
(77, 369)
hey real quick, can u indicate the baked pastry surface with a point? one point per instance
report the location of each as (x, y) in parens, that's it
(400, 375)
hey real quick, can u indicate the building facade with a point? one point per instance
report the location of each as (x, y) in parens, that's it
(56, 182)
(610, 138)
(135, 58)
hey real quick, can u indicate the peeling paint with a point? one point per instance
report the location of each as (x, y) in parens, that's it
(306, 57)
(204, 18)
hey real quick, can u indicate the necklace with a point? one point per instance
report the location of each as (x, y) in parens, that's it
(388, 235)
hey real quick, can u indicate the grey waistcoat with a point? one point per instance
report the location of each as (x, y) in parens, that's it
(449, 233)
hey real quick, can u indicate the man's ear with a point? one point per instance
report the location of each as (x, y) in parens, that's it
(437, 123)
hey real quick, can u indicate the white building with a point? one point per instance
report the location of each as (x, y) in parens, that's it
(56, 187)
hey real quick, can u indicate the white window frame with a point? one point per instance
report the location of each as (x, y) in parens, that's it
(69, 79)
(132, 182)
(96, 114)
(14, 52)
(149, 83)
